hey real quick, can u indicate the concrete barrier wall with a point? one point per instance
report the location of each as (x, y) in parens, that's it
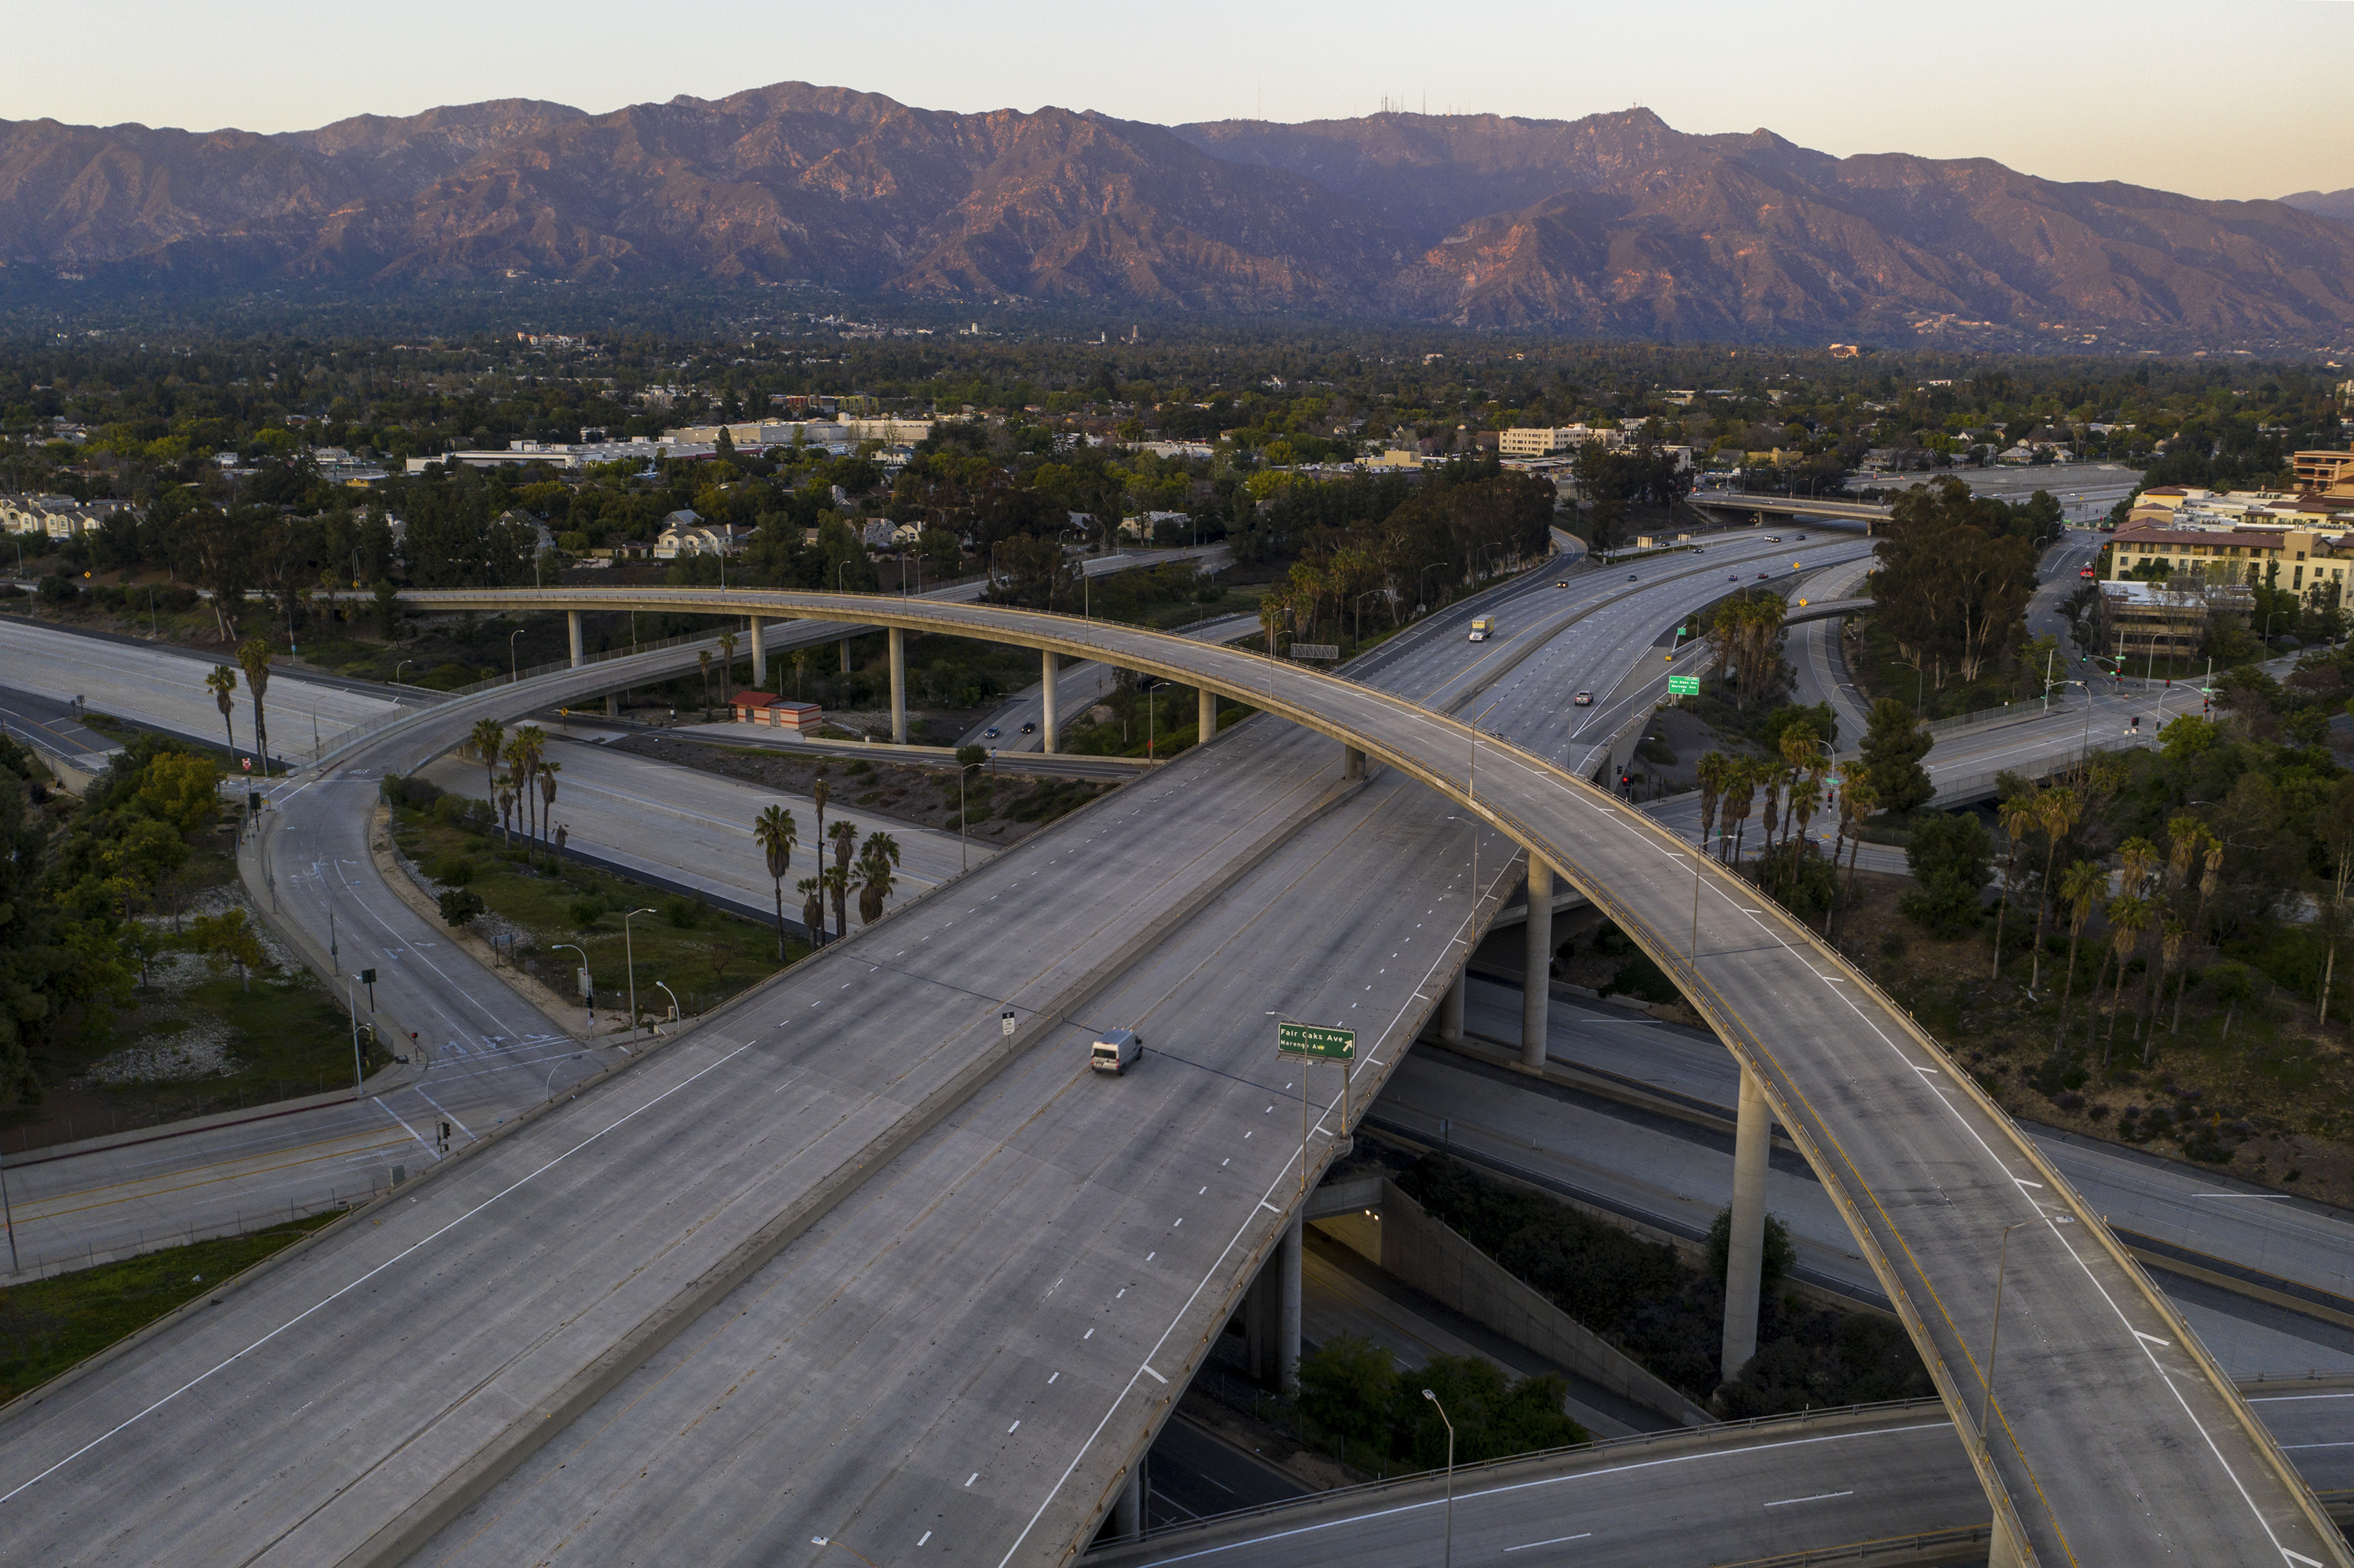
(1428, 1255)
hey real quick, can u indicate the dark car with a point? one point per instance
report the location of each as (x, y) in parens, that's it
(1563, 582)
(1733, 577)
(1634, 577)
(1028, 726)
(989, 734)
(1801, 537)
(1763, 575)
(1583, 699)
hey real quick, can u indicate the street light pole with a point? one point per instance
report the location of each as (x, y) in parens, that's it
(512, 673)
(359, 1082)
(590, 989)
(1994, 1336)
(630, 953)
(1447, 1560)
(678, 1013)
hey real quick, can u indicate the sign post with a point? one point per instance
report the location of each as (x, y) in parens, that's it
(1312, 1043)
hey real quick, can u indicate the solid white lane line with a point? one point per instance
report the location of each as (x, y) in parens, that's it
(436, 1234)
(1819, 1497)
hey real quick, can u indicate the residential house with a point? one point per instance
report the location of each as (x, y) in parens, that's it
(685, 533)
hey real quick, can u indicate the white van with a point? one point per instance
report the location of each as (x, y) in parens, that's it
(1115, 1049)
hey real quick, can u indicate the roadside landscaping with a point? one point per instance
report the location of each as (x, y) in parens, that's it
(50, 1325)
(526, 905)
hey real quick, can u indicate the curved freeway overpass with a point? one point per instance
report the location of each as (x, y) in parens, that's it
(2112, 1436)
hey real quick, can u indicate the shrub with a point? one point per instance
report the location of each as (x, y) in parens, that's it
(684, 913)
(1951, 856)
(458, 812)
(460, 905)
(453, 871)
(585, 912)
(413, 792)
(1348, 1388)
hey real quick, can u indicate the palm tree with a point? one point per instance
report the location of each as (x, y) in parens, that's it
(837, 887)
(506, 799)
(2016, 815)
(1740, 788)
(523, 767)
(2169, 949)
(1859, 796)
(2057, 811)
(1712, 784)
(1839, 849)
(2129, 916)
(2081, 887)
(819, 793)
(703, 659)
(726, 666)
(877, 861)
(253, 655)
(222, 684)
(486, 740)
(547, 772)
(2211, 872)
(812, 892)
(773, 831)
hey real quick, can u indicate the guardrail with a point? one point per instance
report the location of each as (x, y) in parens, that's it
(1967, 1543)
(1469, 1477)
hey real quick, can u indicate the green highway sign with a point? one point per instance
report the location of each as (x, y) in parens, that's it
(1309, 1040)
(1683, 686)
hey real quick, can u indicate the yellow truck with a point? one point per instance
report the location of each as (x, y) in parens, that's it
(1483, 627)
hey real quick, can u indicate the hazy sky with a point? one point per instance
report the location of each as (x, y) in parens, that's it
(2236, 98)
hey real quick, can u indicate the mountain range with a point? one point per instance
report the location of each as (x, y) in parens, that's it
(1616, 223)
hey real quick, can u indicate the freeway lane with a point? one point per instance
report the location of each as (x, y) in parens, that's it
(2104, 1397)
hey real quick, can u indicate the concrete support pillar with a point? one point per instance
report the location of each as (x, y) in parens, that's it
(612, 705)
(1258, 1331)
(845, 655)
(898, 686)
(1206, 720)
(1046, 663)
(1752, 1141)
(759, 652)
(2003, 1550)
(572, 625)
(1536, 989)
(1352, 763)
(1287, 1341)
(1450, 1009)
(1128, 1505)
